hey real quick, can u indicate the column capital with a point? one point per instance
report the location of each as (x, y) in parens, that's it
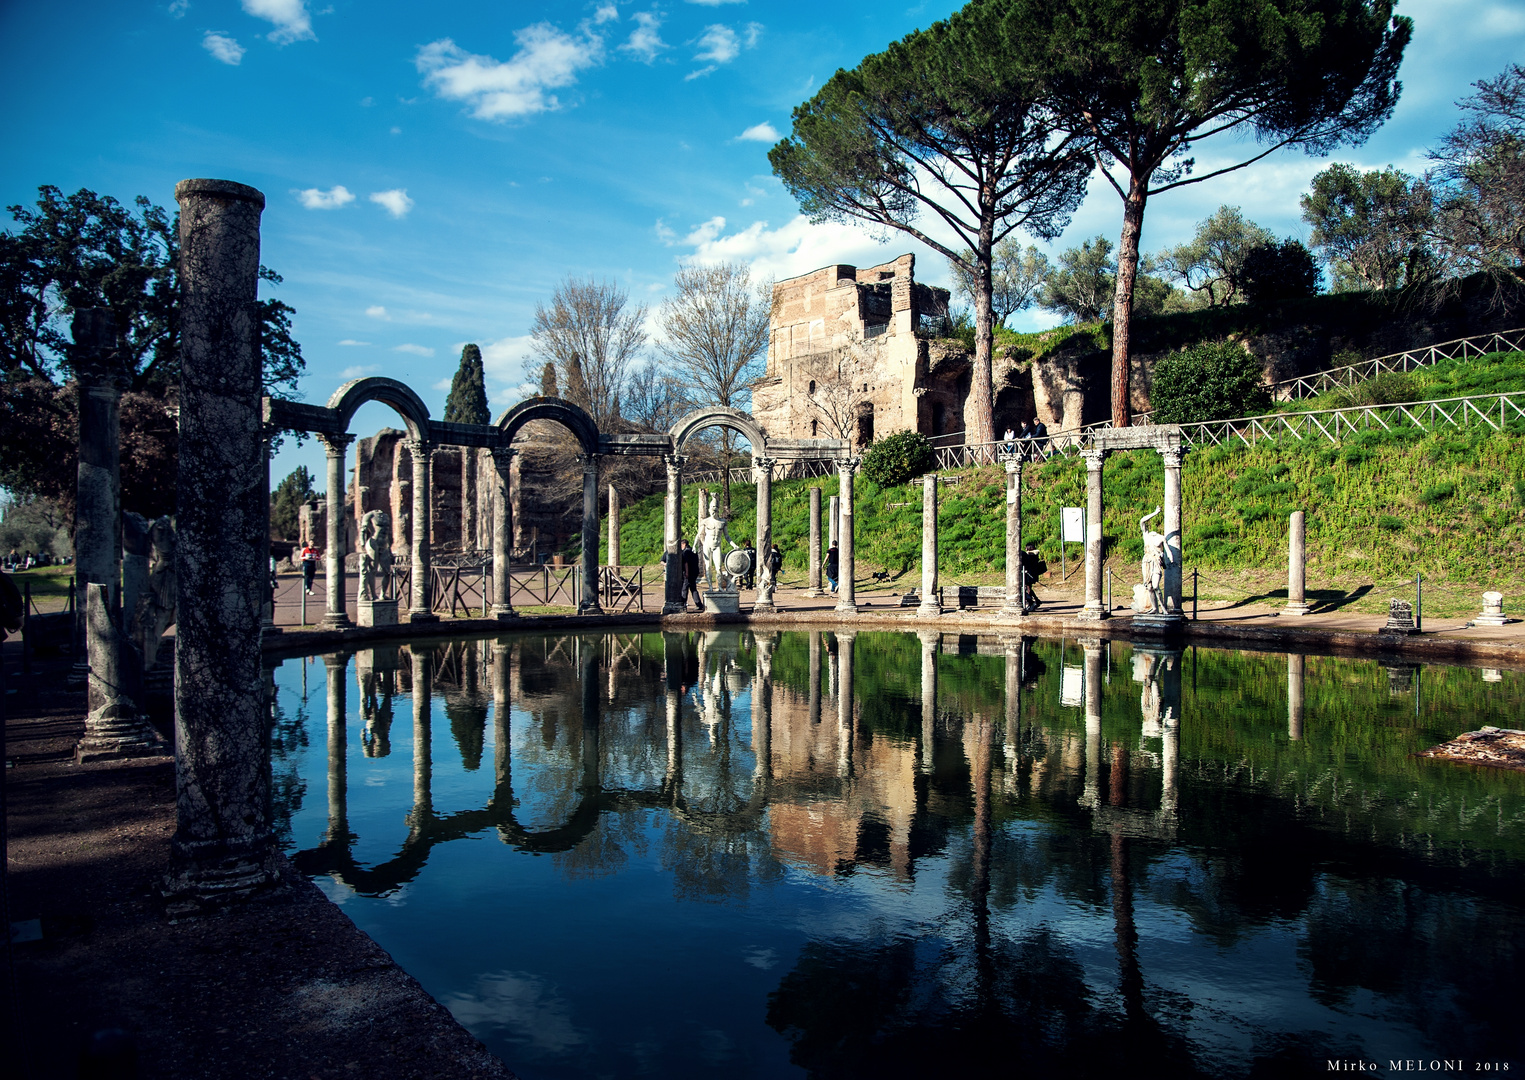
(589, 462)
(848, 464)
(335, 444)
(418, 447)
(674, 461)
(1094, 456)
(503, 456)
(1172, 456)
(764, 462)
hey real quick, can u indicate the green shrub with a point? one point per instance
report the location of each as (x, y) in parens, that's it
(1211, 381)
(1388, 523)
(897, 458)
(1384, 389)
(1437, 493)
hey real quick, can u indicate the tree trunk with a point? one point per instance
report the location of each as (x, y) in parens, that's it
(1122, 304)
(979, 412)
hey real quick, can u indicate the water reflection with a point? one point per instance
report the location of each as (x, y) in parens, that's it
(934, 849)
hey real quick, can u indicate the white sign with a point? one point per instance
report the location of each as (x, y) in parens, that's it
(1072, 686)
(1072, 518)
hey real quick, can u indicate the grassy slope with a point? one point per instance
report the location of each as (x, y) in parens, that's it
(1381, 507)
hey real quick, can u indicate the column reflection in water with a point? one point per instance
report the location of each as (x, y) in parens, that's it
(502, 746)
(423, 693)
(1092, 794)
(1011, 646)
(1296, 663)
(762, 711)
(813, 691)
(674, 660)
(929, 642)
(846, 706)
(588, 676)
(376, 679)
(338, 780)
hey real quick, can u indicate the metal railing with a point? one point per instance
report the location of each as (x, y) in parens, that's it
(1410, 360)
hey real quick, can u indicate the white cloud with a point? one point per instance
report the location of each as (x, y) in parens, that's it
(332, 199)
(753, 32)
(715, 3)
(395, 201)
(178, 8)
(510, 369)
(699, 73)
(358, 370)
(547, 58)
(384, 314)
(606, 13)
(352, 341)
(797, 247)
(416, 350)
(645, 42)
(718, 43)
(763, 132)
(223, 48)
(376, 311)
(292, 22)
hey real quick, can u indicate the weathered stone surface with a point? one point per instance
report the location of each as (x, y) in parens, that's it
(1493, 611)
(115, 726)
(376, 612)
(1400, 618)
(722, 601)
(1297, 565)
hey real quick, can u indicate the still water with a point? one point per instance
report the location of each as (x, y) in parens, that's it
(879, 854)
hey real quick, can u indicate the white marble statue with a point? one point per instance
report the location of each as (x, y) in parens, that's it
(1152, 592)
(712, 530)
(375, 555)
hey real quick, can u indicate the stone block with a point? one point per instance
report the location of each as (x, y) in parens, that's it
(1493, 611)
(377, 612)
(718, 602)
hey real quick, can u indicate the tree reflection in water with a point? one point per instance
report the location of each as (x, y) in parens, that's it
(983, 808)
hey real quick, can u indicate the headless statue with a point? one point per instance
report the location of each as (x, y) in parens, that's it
(712, 530)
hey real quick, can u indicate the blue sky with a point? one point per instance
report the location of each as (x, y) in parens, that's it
(434, 170)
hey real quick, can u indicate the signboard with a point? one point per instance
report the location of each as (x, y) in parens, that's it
(1072, 518)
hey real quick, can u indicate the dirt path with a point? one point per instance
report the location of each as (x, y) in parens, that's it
(284, 987)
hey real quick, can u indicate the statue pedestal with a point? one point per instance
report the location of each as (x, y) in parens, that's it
(1157, 622)
(722, 602)
(377, 612)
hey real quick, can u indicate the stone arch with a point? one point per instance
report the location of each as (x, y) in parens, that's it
(738, 422)
(349, 397)
(568, 415)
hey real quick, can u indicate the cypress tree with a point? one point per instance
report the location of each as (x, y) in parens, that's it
(467, 403)
(548, 387)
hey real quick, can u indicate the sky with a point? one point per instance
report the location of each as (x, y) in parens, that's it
(433, 171)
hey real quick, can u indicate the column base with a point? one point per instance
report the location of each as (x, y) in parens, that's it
(417, 615)
(928, 610)
(765, 607)
(124, 735)
(848, 607)
(1297, 608)
(1012, 611)
(503, 613)
(207, 874)
(674, 607)
(589, 607)
(1094, 612)
(1158, 622)
(339, 621)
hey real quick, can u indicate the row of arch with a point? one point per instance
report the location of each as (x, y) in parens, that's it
(330, 423)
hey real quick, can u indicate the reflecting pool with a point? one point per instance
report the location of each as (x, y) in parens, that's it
(878, 854)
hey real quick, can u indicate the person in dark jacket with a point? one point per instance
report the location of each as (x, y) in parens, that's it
(749, 579)
(831, 567)
(776, 562)
(1033, 567)
(691, 576)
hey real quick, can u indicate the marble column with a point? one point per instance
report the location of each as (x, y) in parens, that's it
(834, 521)
(1172, 458)
(336, 616)
(422, 609)
(1297, 563)
(763, 470)
(115, 726)
(1095, 606)
(338, 744)
(846, 704)
(502, 531)
(1014, 592)
(929, 642)
(614, 527)
(1296, 665)
(929, 603)
(846, 568)
(223, 848)
(589, 605)
(815, 542)
(672, 534)
(98, 484)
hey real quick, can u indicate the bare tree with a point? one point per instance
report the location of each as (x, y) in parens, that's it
(655, 397)
(715, 327)
(839, 380)
(591, 337)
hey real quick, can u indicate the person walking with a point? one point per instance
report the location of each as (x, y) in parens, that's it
(831, 568)
(1033, 567)
(775, 563)
(309, 566)
(749, 579)
(691, 576)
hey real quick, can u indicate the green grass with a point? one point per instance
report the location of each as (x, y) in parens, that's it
(49, 584)
(1495, 373)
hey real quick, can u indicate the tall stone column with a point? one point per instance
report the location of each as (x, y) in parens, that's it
(502, 531)
(336, 616)
(834, 521)
(846, 703)
(1296, 665)
(115, 726)
(98, 478)
(929, 603)
(423, 734)
(1095, 606)
(815, 542)
(1091, 795)
(338, 743)
(1297, 565)
(672, 534)
(846, 568)
(422, 610)
(589, 605)
(929, 643)
(763, 470)
(223, 847)
(1015, 594)
(614, 526)
(1172, 458)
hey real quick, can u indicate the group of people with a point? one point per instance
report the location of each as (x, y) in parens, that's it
(693, 572)
(27, 560)
(1035, 432)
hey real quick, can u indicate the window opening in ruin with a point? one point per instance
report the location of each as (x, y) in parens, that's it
(815, 426)
(938, 418)
(812, 386)
(865, 423)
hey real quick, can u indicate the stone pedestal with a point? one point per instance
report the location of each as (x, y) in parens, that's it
(1095, 606)
(1297, 563)
(1400, 618)
(115, 726)
(1493, 611)
(377, 612)
(722, 601)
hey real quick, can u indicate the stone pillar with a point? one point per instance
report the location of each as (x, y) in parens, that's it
(763, 470)
(614, 527)
(846, 705)
(929, 603)
(98, 483)
(929, 643)
(815, 542)
(702, 501)
(1296, 665)
(1095, 606)
(1014, 592)
(672, 534)
(1297, 565)
(223, 847)
(423, 733)
(422, 610)
(115, 726)
(834, 521)
(588, 605)
(846, 569)
(338, 744)
(502, 530)
(336, 616)
(1172, 458)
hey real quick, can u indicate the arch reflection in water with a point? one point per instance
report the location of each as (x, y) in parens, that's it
(854, 854)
